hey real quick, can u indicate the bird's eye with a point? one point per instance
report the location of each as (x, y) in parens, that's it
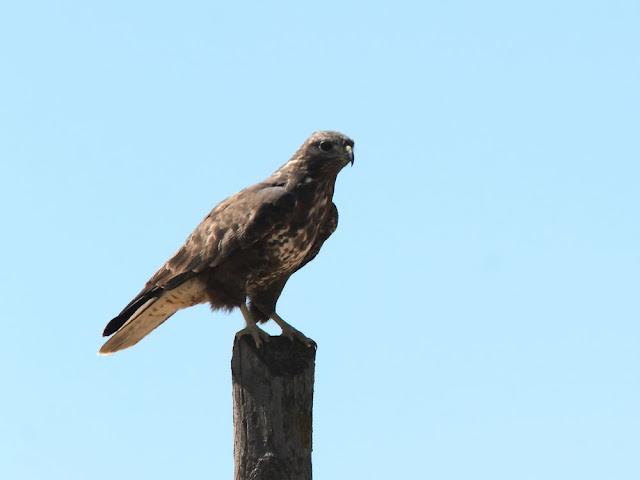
(325, 146)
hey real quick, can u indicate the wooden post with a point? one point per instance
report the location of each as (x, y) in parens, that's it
(272, 404)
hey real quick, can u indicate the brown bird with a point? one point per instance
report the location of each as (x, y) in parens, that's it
(245, 250)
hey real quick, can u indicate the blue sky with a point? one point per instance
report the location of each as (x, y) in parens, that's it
(477, 310)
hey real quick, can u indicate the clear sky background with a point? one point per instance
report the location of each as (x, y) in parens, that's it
(477, 310)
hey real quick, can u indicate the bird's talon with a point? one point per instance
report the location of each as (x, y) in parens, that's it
(293, 334)
(256, 333)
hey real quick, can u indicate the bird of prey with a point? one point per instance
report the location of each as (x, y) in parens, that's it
(245, 250)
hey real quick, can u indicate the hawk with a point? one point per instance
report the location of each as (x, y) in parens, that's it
(243, 252)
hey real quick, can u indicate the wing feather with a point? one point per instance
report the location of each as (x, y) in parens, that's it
(236, 223)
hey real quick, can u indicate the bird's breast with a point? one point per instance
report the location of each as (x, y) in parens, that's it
(288, 246)
(285, 249)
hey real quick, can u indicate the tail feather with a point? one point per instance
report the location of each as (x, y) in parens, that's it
(130, 311)
(151, 314)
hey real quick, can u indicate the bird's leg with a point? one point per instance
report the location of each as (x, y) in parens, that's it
(290, 332)
(252, 329)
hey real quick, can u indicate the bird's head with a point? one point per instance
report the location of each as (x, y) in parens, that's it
(325, 152)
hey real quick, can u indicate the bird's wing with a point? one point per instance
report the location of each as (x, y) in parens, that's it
(236, 223)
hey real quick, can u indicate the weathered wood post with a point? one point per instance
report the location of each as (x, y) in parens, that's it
(272, 409)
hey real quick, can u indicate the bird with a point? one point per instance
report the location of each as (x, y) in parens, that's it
(245, 250)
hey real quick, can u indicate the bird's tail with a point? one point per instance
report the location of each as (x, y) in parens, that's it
(133, 325)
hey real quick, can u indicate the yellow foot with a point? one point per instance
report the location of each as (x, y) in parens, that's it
(290, 332)
(256, 333)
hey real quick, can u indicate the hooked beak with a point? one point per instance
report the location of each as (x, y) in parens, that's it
(349, 150)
